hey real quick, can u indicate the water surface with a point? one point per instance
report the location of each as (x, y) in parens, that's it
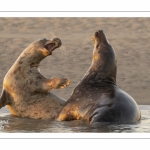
(11, 124)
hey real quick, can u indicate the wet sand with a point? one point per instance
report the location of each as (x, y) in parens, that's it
(130, 37)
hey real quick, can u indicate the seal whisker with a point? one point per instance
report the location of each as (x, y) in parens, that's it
(64, 51)
(110, 39)
(51, 34)
(44, 35)
(89, 38)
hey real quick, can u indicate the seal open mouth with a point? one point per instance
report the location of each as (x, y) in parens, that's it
(51, 45)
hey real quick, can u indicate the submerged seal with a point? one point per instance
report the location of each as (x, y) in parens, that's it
(97, 98)
(26, 91)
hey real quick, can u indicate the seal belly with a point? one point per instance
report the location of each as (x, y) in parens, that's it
(121, 109)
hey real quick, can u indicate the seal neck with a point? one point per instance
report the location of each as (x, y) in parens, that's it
(103, 68)
(29, 59)
(104, 65)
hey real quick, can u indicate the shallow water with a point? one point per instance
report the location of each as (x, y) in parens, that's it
(11, 124)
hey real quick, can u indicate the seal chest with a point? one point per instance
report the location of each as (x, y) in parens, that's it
(97, 98)
(26, 92)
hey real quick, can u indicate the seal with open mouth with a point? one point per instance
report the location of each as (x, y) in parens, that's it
(97, 98)
(26, 92)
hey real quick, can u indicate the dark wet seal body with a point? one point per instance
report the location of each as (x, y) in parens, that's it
(97, 98)
(26, 92)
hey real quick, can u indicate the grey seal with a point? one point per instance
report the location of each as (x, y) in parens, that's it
(26, 92)
(97, 98)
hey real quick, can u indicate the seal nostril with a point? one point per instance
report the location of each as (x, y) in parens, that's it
(58, 40)
(100, 31)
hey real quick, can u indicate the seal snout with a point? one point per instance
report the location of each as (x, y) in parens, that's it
(51, 45)
(99, 36)
(58, 41)
(99, 33)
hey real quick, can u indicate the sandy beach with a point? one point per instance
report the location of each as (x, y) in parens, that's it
(130, 37)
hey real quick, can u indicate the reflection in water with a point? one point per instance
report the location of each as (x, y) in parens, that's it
(10, 124)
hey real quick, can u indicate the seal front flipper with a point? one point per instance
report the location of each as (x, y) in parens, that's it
(5, 98)
(56, 83)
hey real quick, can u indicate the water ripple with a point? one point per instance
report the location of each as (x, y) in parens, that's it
(11, 124)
